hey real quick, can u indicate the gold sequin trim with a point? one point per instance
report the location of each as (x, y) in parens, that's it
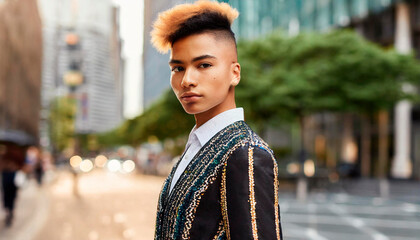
(252, 192)
(220, 231)
(224, 202)
(190, 213)
(276, 198)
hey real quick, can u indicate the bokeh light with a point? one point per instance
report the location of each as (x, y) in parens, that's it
(309, 168)
(75, 161)
(86, 165)
(100, 161)
(114, 165)
(293, 168)
(128, 166)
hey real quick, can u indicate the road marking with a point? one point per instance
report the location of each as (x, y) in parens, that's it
(346, 216)
(314, 235)
(404, 210)
(293, 230)
(411, 208)
(357, 222)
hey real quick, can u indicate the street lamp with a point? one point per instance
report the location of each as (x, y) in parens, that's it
(73, 77)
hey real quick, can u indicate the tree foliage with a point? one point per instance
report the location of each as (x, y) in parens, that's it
(61, 118)
(288, 77)
(163, 119)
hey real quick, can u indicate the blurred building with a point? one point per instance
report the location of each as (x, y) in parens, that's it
(263, 16)
(391, 23)
(386, 22)
(156, 69)
(82, 58)
(257, 17)
(20, 72)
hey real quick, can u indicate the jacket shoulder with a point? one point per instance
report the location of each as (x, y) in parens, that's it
(252, 145)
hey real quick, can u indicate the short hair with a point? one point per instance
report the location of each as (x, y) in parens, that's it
(189, 19)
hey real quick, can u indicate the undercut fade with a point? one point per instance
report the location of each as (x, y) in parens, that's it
(188, 19)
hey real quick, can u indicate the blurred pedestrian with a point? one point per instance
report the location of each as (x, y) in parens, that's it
(225, 185)
(11, 161)
(34, 163)
(47, 166)
(38, 170)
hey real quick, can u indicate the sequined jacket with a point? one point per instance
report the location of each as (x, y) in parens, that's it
(228, 191)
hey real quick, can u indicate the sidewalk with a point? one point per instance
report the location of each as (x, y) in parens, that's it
(31, 212)
(109, 206)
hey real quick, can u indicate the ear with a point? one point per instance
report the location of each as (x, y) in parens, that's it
(236, 74)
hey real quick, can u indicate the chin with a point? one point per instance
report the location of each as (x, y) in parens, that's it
(190, 111)
(193, 110)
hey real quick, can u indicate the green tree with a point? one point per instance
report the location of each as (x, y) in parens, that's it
(164, 119)
(61, 119)
(338, 71)
(288, 78)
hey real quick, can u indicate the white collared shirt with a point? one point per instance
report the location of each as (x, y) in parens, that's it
(200, 136)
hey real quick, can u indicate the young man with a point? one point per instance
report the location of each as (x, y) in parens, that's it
(225, 185)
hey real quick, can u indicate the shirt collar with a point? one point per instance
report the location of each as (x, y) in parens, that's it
(206, 131)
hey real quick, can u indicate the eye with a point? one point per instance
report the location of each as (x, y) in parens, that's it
(177, 69)
(204, 65)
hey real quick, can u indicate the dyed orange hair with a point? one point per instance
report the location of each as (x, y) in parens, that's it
(170, 21)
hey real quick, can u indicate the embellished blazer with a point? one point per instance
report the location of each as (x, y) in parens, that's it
(229, 190)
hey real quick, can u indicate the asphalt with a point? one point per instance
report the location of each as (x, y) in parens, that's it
(326, 216)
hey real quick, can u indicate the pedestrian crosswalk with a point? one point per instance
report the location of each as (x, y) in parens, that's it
(341, 216)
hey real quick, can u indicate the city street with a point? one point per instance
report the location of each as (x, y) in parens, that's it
(108, 206)
(116, 206)
(344, 217)
(90, 109)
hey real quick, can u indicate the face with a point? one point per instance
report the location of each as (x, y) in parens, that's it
(204, 73)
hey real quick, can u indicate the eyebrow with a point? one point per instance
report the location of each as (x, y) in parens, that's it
(175, 61)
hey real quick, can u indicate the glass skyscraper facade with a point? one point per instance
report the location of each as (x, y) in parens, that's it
(263, 16)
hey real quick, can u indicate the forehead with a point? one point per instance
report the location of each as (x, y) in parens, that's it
(202, 44)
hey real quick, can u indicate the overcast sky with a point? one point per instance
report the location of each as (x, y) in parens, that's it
(131, 26)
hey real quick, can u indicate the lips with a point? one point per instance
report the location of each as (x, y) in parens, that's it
(190, 96)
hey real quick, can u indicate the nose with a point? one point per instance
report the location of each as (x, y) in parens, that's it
(188, 79)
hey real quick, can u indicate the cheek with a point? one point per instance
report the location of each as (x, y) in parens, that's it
(174, 82)
(222, 81)
(225, 76)
(174, 87)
